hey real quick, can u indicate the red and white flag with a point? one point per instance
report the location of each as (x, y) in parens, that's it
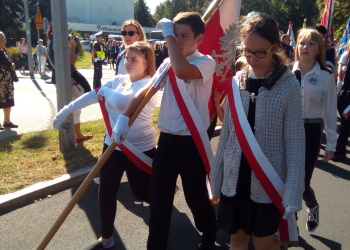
(221, 36)
(327, 21)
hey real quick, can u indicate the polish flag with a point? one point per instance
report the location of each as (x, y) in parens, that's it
(220, 39)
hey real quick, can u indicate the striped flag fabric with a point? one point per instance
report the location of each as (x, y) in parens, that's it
(345, 39)
(290, 33)
(327, 21)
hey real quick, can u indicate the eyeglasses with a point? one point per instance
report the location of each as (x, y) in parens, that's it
(258, 54)
(129, 33)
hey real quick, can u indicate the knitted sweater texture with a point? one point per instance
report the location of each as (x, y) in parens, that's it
(279, 130)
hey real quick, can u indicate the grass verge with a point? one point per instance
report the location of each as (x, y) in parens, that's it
(84, 61)
(35, 157)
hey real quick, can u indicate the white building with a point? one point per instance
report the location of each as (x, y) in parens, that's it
(95, 16)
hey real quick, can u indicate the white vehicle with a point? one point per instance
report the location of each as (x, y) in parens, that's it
(115, 37)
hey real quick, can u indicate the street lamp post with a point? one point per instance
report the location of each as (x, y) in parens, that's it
(29, 39)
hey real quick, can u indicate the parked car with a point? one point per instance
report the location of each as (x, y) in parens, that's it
(86, 45)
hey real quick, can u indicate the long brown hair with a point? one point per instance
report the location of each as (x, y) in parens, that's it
(148, 51)
(317, 38)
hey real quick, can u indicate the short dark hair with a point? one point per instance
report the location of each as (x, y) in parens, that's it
(321, 29)
(192, 19)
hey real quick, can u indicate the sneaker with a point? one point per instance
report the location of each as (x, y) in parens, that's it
(208, 240)
(312, 218)
(97, 245)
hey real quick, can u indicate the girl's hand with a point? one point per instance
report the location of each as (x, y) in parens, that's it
(328, 155)
(218, 95)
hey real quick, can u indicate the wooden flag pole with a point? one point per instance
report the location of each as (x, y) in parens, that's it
(84, 186)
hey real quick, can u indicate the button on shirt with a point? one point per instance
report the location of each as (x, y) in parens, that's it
(170, 119)
(319, 100)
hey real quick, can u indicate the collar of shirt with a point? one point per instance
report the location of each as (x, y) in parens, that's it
(316, 69)
(193, 56)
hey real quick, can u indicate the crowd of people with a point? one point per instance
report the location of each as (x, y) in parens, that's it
(287, 98)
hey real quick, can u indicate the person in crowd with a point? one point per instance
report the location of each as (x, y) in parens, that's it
(159, 55)
(7, 74)
(177, 153)
(271, 100)
(319, 110)
(108, 48)
(140, 67)
(41, 56)
(165, 50)
(115, 52)
(79, 86)
(329, 49)
(286, 48)
(23, 52)
(132, 31)
(343, 88)
(98, 55)
(51, 54)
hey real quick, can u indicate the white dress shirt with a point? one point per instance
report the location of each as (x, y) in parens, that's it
(318, 92)
(170, 119)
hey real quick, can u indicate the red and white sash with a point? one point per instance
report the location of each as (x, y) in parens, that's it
(137, 157)
(194, 123)
(346, 112)
(261, 166)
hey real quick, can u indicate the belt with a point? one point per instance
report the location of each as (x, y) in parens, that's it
(313, 120)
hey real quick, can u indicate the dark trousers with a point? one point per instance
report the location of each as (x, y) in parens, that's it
(110, 177)
(342, 140)
(97, 74)
(79, 78)
(177, 155)
(313, 133)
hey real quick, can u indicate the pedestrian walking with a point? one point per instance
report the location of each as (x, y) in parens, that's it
(319, 110)
(177, 153)
(116, 93)
(269, 103)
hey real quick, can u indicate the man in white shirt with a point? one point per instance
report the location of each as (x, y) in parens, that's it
(177, 152)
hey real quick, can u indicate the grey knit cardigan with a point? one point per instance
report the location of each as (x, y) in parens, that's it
(279, 130)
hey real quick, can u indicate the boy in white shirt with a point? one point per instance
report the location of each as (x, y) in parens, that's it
(177, 152)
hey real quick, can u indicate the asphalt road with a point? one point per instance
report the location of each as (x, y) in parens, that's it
(24, 227)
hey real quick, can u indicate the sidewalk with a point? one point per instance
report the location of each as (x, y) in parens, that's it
(35, 107)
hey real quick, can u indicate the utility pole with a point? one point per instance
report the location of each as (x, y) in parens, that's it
(29, 39)
(62, 66)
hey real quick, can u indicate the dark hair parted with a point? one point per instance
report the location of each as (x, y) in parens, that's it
(192, 19)
(266, 27)
(148, 51)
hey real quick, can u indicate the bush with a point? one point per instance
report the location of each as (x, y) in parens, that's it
(14, 55)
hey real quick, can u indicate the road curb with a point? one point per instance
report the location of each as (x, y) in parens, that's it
(9, 202)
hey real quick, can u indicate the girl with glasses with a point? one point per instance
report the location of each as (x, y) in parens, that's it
(270, 102)
(132, 32)
(318, 92)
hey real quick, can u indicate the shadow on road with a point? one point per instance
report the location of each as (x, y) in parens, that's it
(329, 243)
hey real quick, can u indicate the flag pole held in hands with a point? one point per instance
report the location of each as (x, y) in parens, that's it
(84, 186)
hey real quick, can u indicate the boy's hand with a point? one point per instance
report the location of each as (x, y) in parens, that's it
(166, 26)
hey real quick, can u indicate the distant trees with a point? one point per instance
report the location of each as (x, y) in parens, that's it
(142, 14)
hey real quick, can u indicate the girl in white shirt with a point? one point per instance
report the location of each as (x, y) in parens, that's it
(140, 67)
(319, 110)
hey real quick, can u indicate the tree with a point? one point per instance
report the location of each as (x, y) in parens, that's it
(142, 14)
(170, 8)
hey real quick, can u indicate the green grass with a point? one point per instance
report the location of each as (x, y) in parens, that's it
(84, 61)
(35, 157)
